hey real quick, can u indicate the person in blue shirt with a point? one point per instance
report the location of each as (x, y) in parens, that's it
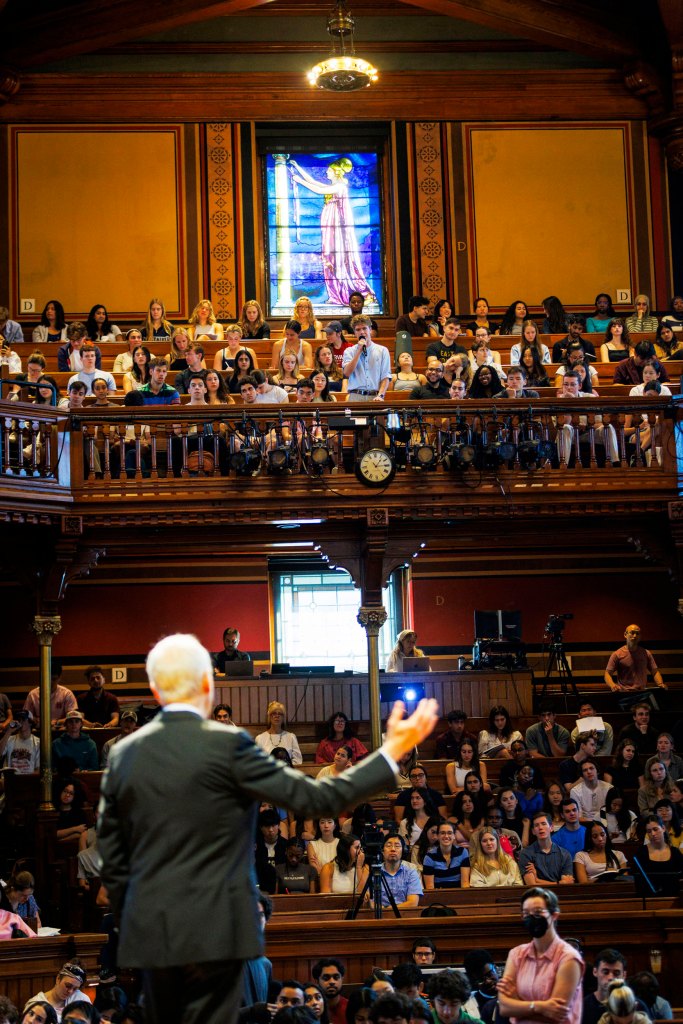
(572, 836)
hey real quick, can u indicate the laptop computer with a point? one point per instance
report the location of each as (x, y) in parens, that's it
(239, 668)
(415, 665)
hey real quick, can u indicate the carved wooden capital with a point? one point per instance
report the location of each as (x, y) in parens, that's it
(644, 82)
(46, 627)
(372, 618)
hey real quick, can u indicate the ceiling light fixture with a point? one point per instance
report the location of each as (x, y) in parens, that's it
(342, 71)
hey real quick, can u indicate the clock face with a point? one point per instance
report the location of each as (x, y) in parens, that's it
(375, 467)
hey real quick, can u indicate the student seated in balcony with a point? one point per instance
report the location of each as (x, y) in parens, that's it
(486, 383)
(75, 747)
(69, 356)
(515, 386)
(435, 388)
(604, 434)
(483, 355)
(225, 357)
(339, 734)
(576, 325)
(496, 741)
(347, 873)
(158, 392)
(617, 343)
(630, 371)
(414, 322)
(90, 371)
(530, 339)
(447, 345)
(575, 355)
(292, 342)
(194, 364)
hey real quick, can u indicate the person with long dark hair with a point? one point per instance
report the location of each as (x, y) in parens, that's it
(536, 376)
(513, 819)
(139, 374)
(618, 819)
(467, 761)
(339, 733)
(603, 313)
(500, 735)
(486, 383)
(668, 342)
(418, 812)
(658, 855)
(481, 317)
(446, 865)
(347, 872)
(668, 813)
(315, 1002)
(513, 318)
(467, 812)
(52, 326)
(99, 327)
(244, 366)
(443, 310)
(555, 321)
(617, 343)
(597, 858)
(625, 771)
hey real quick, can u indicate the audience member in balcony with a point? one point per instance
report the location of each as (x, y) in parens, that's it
(124, 360)
(674, 318)
(323, 848)
(529, 339)
(570, 769)
(619, 821)
(482, 354)
(576, 325)
(669, 341)
(90, 371)
(515, 386)
(468, 813)
(651, 372)
(231, 652)
(435, 388)
(52, 326)
(69, 798)
(658, 855)
(617, 343)
(158, 392)
(217, 390)
(641, 320)
(656, 786)
(458, 367)
(486, 383)
(49, 394)
(356, 304)
(129, 725)
(194, 365)
(295, 875)
(244, 366)
(590, 792)
(288, 375)
(417, 814)
(446, 866)
(100, 328)
(339, 733)
(481, 317)
(88, 857)
(627, 670)
(156, 327)
(490, 865)
(203, 323)
(414, 322)
(543, 861)
(35, 368)
(321, 386)
(266, 393)
(11, 332)
(513, 318)
(447, 345)
(519, 756)
(326, 363)
(625, 771)
(630, 371)
(18, 898)
(252, 321)
(176, 358)
(665, 753)
(448, 743)
(556, 318)
(75, 747)
(536, 375)
(513, 819)
(62, 699)
(547, 738)
(347, 872)
(466, 762)
(329, 974)
(99, 706)
(225, 357)
(604, 736)
(668, 814)
(496, 741)
(305, 391)
(276, 735)
(19, 748)
(366, 364)
(139, 374)
(39, 1011)
(417, 777)
(343, 759)
(457, 391)
(69, 356)
(336, 342)
(572, 836)
(405, 378)
(603, 313)
(292, 342)
(575, 355)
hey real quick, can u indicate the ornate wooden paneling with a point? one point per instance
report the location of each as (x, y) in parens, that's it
(431, 213)
(220, 227)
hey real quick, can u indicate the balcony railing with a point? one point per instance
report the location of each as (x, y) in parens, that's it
(611, 443)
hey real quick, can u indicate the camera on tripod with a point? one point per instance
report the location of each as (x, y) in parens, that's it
(554, 627)
(372, 841)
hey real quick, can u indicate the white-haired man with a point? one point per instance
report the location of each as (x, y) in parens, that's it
(177, 822)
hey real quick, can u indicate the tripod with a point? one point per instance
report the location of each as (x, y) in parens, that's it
(557, 660)
(375, 885)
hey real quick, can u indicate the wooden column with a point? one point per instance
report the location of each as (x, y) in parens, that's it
(372, 618)
(46, 627)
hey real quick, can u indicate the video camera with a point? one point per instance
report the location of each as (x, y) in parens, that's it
(555, 625)
(373, 838)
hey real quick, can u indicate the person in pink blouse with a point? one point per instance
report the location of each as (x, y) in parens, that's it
(339, 734)
(10, 921)
(542, 978)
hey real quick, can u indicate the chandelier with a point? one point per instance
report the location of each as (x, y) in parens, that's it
(342, 71)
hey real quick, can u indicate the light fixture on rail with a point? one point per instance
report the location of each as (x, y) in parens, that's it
(278, 459)
(320, 456)
(459, 455)
(423, 453)
(342, 71)
(246, 461)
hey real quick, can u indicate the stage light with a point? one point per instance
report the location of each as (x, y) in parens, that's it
(246, 461)
(424, 456)
(278, 459)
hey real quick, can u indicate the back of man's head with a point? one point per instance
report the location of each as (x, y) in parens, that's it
(406, 975)
(391, 1006)
(449, 985)
(417, 300)
(178, 666)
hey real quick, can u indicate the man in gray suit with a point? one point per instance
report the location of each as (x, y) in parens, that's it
(176, 834)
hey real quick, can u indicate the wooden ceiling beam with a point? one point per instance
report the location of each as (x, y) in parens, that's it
(98, 24)
(564, 26)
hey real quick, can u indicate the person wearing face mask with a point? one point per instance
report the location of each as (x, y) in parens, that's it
(542, 978)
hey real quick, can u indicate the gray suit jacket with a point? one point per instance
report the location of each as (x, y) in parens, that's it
(177, 828)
